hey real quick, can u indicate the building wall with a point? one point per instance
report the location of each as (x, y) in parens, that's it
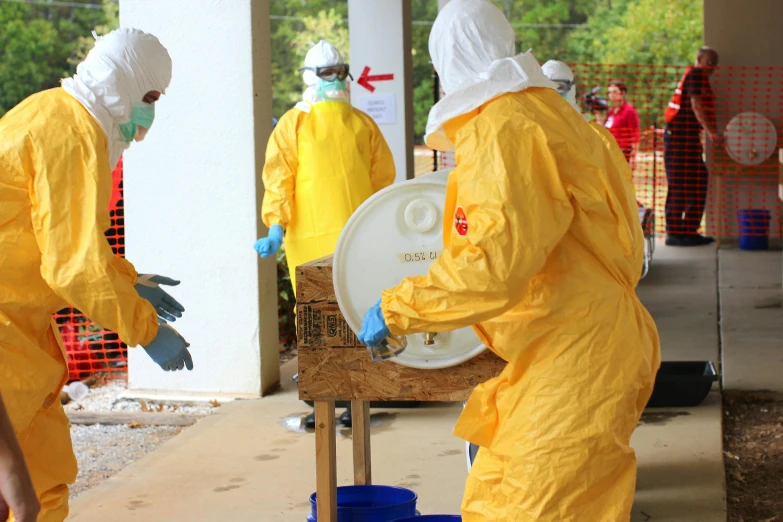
(193, 194)
(745, 34)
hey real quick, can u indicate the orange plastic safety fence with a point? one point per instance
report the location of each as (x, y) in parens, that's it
(90, 348)
(722, 180)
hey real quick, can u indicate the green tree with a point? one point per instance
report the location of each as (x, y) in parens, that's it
(111, 10)
(36, 44)
(423, 13)
(589, 43)
(545, 26)
(640, 32)
(662, 32)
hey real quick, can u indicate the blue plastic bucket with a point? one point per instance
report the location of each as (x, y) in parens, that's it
(370, 503)
(432, 518)
(753, 229)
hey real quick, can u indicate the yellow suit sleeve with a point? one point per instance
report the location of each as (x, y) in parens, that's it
(279, 172)
(70, 203)
(382, 169)
(126, 268)
(517, 211)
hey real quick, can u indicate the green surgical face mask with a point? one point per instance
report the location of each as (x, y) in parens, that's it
(325, 87)
(142, 115)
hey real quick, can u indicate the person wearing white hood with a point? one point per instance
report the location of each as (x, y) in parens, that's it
(323, 160)
(541, 257)
(560, 73)
(56, 156)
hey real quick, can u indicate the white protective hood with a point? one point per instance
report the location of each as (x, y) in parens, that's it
(123, 66)
(556, 71)
(472, 49)
(322, 54)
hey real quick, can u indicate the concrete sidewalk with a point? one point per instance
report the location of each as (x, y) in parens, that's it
(250, 463)
(752, 325)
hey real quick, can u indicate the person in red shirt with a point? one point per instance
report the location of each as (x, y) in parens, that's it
(622, 120)
(691, 110)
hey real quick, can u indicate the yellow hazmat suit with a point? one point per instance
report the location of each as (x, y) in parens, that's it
(320, 166)
(542, 257)
(55, 187)
(616, 153)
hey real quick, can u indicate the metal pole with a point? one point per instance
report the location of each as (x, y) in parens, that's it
(435, 98)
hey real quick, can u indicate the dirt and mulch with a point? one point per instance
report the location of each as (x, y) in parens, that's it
(753, 452)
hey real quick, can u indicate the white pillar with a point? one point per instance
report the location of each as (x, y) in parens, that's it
(380, 33)
(193, 194)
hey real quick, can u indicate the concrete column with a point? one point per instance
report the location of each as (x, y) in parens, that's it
(193, 193)
(380, 33)
(745, 34)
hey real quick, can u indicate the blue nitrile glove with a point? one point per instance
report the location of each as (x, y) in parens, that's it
(170, 350)
(166, 306)
(269, 245)
(374, 329)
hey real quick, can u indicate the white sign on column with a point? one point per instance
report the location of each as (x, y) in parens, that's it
(380, 60)
(380, 106)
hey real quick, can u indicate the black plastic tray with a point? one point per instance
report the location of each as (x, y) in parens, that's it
(682, 384)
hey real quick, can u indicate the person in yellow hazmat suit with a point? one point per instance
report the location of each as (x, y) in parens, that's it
(323, 160)
(561, 74)
(541, 256)
(56, 158)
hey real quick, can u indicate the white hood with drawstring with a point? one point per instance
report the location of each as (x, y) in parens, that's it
(120, 70)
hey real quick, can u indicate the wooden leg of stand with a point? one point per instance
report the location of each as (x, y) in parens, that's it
(326, 461)
(362, 468)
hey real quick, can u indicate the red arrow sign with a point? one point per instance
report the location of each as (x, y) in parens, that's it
(365, 79)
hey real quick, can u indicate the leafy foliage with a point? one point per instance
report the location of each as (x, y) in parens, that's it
(38, 44)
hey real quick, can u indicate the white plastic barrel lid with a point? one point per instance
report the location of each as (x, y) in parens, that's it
(397, 233)
(750, 138)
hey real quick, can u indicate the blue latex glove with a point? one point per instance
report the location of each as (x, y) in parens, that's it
(269, 245)
(374, 329)
(166, 306)
(169, 350)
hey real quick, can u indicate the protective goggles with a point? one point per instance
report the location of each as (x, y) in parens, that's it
(563, 86)
(330, 72)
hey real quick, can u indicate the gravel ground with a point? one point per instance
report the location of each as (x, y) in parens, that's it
(108, 398)
(102, 451)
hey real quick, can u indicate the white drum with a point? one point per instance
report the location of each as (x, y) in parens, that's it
(398, 233)
(750, 138)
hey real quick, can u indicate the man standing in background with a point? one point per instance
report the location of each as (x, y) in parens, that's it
(622, 120)
(691, 109)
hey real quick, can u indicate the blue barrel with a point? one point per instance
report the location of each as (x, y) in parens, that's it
(432, 518)
(753, 229)
(370, 503)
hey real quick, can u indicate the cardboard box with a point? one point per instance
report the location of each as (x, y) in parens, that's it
(334, 365)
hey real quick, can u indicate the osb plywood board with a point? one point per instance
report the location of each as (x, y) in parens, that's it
(349, 373)
(334, 365)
